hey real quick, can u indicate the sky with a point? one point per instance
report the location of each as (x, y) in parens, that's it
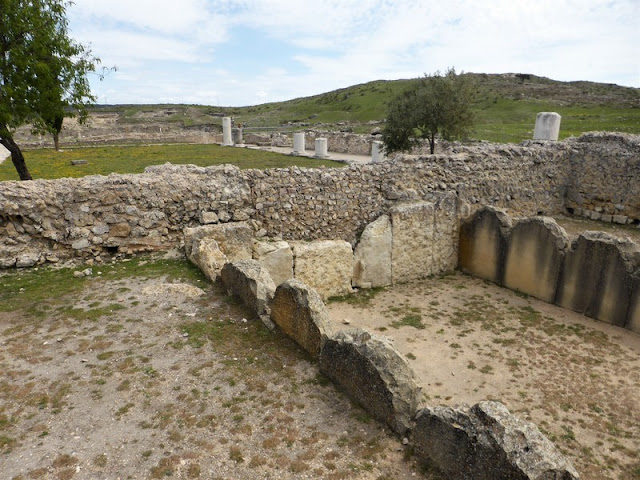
(248, 52)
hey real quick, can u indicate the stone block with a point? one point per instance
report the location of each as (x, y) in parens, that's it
(486, 442)
(120, 230)
(547, 126)
(373, 373)
(207, 218)
(325, 265)
(620, 219)
(372, 255)
(483, 243)
(298, 310)
(445, 234)
(597, 277)
(208, 257)
(234, 240)
(535, 252)
(251, 282)
(412, 252)
(276, 257)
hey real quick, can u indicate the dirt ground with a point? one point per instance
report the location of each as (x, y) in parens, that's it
(468, 340)
(144, 370)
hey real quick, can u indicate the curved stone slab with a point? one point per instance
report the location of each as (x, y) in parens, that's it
(249, 281)
(535, 252)
(486, 442)
(298, 310)
(374, 374)
(483, 243)
(597, 277)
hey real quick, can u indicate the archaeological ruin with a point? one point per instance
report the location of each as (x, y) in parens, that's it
(286, 239)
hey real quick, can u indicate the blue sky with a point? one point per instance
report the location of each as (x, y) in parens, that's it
(246, 52)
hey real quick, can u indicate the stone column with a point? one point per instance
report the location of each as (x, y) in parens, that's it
(547, 126)
(377, 155)
(298, 144)
(226, 132)
(321, 148)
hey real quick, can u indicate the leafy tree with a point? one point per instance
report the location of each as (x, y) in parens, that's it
(434, 105)
(43, 72)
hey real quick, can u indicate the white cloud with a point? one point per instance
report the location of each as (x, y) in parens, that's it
(336, 43)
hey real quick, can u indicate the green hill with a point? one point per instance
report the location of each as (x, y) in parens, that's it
(506, 107)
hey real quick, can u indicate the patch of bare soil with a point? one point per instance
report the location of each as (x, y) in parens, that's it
(137, 374)
(576, 378)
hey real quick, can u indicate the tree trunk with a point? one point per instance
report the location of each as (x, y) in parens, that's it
(432, 143)
(16, 157)
(56, 141)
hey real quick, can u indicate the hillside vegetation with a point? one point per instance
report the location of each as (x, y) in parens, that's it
(506, 107)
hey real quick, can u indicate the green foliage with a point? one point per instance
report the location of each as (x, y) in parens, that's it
(42, 70)
(49, 164)
(435, 105)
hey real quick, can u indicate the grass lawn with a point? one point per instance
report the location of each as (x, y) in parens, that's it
(49, 164)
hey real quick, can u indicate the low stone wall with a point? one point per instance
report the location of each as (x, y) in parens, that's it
(483, 442)
(341, 142)
(596, 274)
(412, 242)
(95, 217)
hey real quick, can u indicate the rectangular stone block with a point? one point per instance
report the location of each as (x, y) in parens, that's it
(324, 265)
(412, 252)
(372, 255)
(445, 234)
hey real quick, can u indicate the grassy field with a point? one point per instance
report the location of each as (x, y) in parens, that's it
(49, 164)
(505, 107)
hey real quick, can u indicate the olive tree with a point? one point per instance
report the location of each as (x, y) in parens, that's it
(433, 105)
(43, 72)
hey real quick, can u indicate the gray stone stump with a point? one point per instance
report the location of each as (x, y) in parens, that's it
(226, 132)
(321, 148)
(237, 136)
(547, 126)
(298, 144)
(377, 154)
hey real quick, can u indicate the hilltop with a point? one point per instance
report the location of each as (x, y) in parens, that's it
(505, 107)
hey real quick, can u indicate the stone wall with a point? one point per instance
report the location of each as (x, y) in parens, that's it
(485, 441)
(95, 216)
(596, 274)
(341, 142)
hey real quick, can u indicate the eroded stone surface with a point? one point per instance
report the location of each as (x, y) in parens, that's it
(413, 230)
(597, 277)
(276, 257)
(483, 243)
(372, 255)
(534, 256)
(486, 442)
(374, 374)
(251, 282)
(298, 310)
(325, 265)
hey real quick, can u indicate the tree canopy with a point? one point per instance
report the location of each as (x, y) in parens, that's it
(434, 105)
(43, 72)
